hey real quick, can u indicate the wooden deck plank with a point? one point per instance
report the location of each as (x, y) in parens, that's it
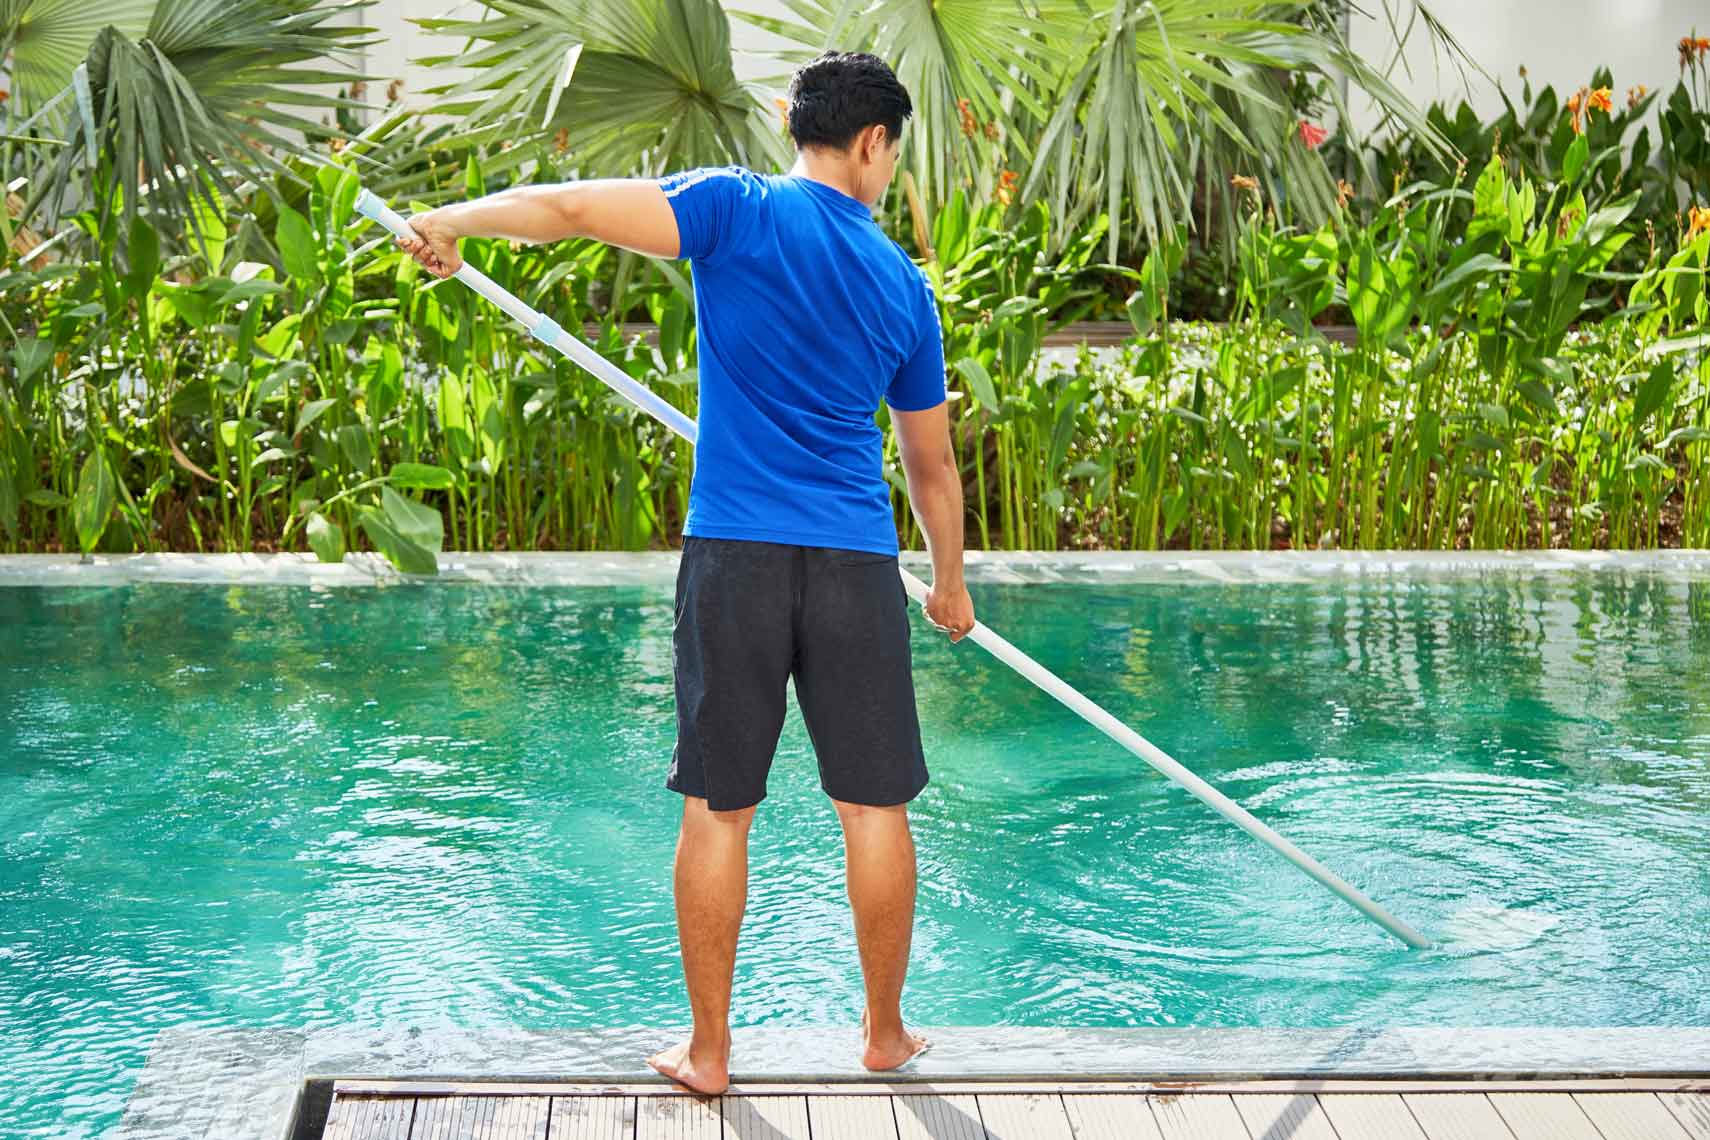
(1544, 1116)
(1356, 1116)
(1457, 1116)
(1025, 1116)
(851, 1118)
(1271, 1116)
(450, 1117)
(677, 1118)
(1631, 1116)
(932, 1117)
(1199, 1116)
(1110, 1116)
(369, 1118)
(591, 1118)
(1692, 1110)
(765, 1117)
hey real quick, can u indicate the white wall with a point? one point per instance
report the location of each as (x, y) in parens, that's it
(1560, 42)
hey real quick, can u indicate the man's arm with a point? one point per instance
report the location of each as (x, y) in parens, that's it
(935, 493)
(629, 212)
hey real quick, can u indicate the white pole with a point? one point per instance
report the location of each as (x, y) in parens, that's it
(544, 328)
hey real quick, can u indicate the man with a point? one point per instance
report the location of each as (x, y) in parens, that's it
(807, 316)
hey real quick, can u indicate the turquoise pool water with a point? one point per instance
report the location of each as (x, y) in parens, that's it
(443, 806)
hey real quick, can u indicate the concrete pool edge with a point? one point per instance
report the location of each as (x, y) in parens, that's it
(248, 1084)
(655, 568)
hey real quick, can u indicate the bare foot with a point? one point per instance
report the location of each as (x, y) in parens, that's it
(890, 1052)
(707, 1074)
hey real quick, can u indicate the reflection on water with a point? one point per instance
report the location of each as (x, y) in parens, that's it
(445, 807)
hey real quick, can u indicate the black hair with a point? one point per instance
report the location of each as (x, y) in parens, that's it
(836, 96)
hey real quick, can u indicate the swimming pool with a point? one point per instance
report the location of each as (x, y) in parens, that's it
(441, 805)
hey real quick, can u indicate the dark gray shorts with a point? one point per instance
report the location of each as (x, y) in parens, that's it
(751, 615)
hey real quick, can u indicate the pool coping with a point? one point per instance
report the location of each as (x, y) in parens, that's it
(268, 1084)
(654, 568)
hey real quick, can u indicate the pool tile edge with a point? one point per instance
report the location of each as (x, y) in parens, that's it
(654, 568)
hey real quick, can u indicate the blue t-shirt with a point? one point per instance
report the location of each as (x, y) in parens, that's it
(807, 315)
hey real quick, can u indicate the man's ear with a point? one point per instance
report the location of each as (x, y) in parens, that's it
(874, 140)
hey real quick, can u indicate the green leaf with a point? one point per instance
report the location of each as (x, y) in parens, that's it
(143, 258)
(408, 556)
(421, 476)
(42, 497)
(1538, 394)
(353, 441)
(979, 380)
(209, 220)
(297, 248)
(312, 411)
(1574, 160)
(9, 504)
(1653, 392)
(93, 504)
(417, 522)
(31, 356)
(326, 538)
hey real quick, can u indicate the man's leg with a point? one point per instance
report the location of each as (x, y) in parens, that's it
(710, 881)
(879, 860)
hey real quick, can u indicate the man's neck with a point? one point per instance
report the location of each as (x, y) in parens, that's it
(836, 171)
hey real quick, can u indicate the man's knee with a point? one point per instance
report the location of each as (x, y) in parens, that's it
(697, 813)
(859, 814)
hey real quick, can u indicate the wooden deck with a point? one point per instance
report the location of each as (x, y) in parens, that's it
(948, 1110)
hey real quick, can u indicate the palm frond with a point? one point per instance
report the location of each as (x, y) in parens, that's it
(654, 88)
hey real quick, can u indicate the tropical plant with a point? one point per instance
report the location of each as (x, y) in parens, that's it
(1118, 107)
(175, 102)
(655, 87)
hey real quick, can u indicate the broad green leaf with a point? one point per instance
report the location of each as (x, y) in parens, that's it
(297, 248)
(1574, 160)
(326, 538)
(208, 216)
(9, 504)
(142, 254)
(979, 380)
(31, 356)
(93, 504)
(312, 411)
(418, 522)
(42, 497)
(1653, 392)
(408, 556)
(421, 476)
(353, 441)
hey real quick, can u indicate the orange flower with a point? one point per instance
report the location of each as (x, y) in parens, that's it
(969, 123)
(1344, 192)
(992, 131)
(1312, 135)
(394, 90)
(1699, 218)
(5, 95)
(1243, 182)
(561, 140)
(1635, 94)
(1582, 102)
(1006, 186)
(783, 113)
